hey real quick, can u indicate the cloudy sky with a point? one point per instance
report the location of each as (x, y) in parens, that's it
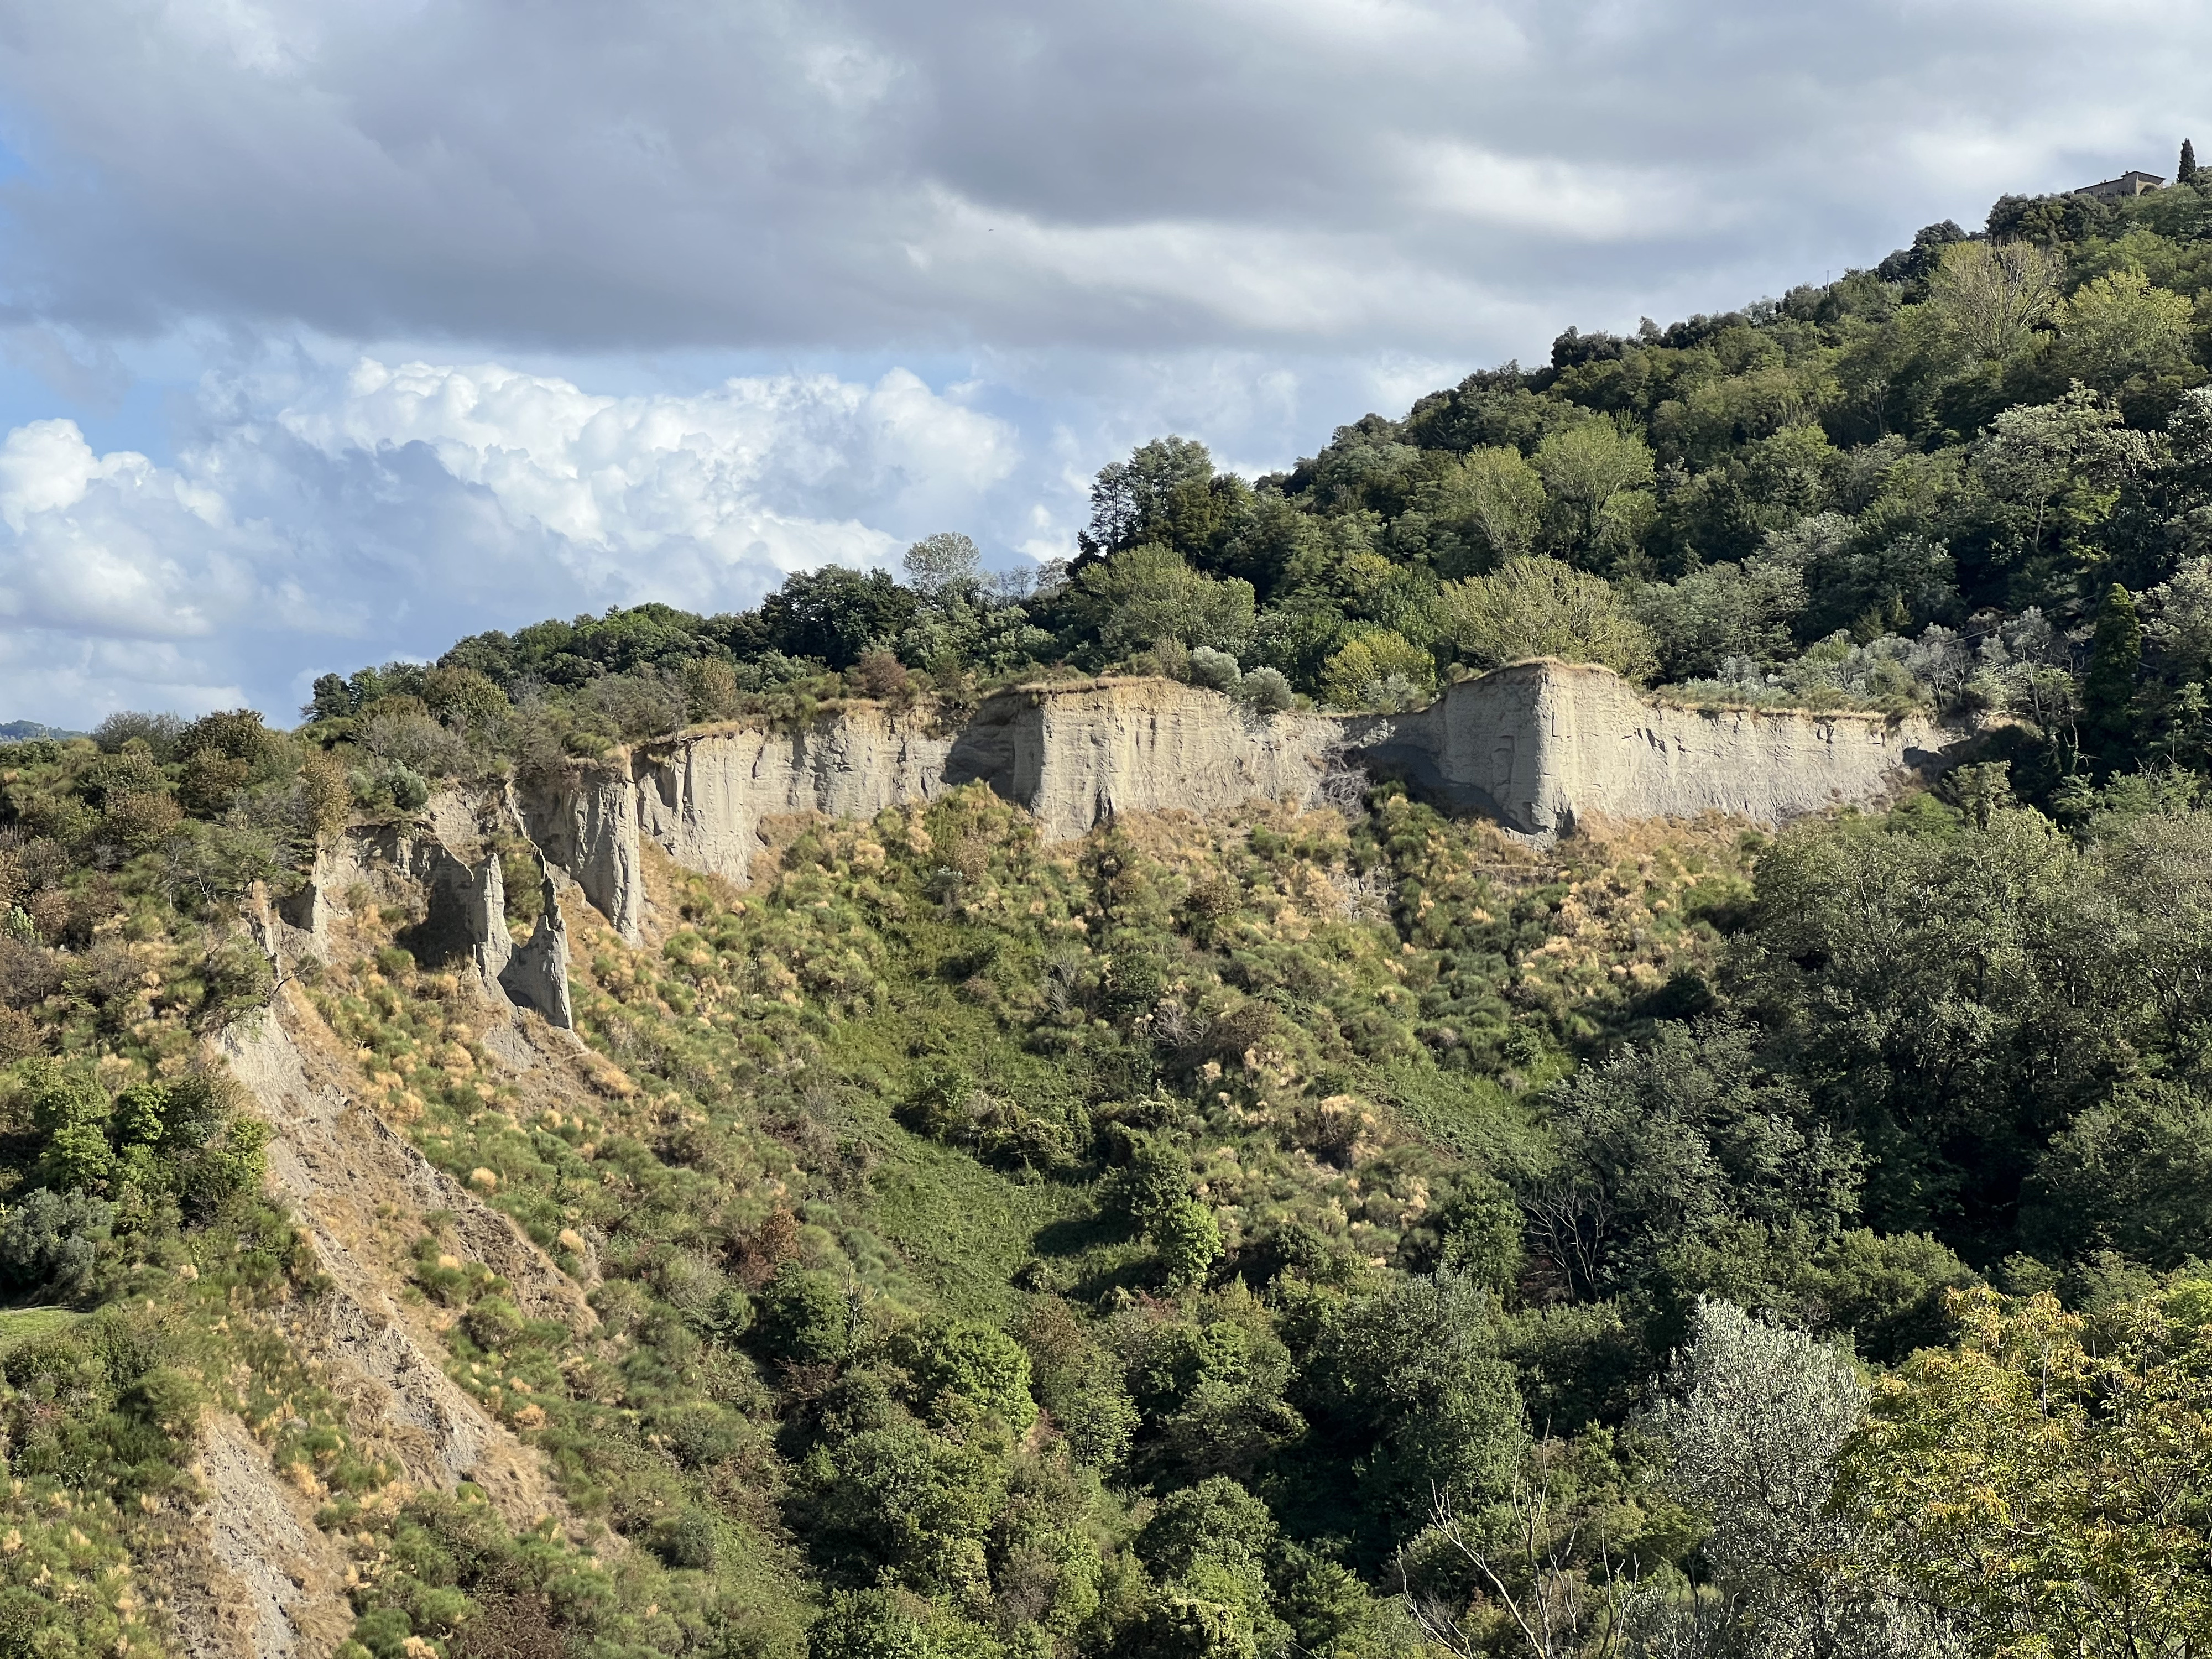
(331, 330)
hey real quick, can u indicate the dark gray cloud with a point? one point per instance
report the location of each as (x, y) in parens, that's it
(1369, 173)
(862, 269)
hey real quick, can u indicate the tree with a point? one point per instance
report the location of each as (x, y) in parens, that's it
(2178, 627)
(2132, 1174)
(1937, 998)
(1914, 263)
(2118, 327)
(1586, 465)
(905, 1507)
(1537, 1559)
(1497, 494)
(1189, 1239)
(1755, 1419)
(963, 1371)
(1411, 1381)
(1379, 669)
(2059, 466)
(1198, 1520)
(1541, 607)
(944, 565)
(835, 614)
(1994, 294)
(1149, 593)
(1723, 610)
(2108, 690)
(2048, 1481)
(1136, 501)
(2184, 171)
(1673, 1141)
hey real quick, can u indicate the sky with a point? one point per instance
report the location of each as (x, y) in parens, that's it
(331, 330)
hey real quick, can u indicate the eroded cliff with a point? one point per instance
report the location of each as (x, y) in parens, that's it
(1536, 746)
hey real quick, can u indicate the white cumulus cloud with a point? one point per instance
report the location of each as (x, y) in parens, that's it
(388, 509)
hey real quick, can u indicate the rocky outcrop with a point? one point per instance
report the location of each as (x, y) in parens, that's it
(1540, 743)
(705, 797)
(1077, 755)
(467, 916)
(587, 825)
(1073, 755)
(456, 875)
(1536, 746)
(537, 972)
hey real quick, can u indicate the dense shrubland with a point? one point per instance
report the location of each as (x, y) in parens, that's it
(1347, 1233)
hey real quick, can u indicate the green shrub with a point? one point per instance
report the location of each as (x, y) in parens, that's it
(50, 1241)
(805, 1318)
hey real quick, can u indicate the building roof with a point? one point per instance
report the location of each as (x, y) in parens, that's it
(2133, 182)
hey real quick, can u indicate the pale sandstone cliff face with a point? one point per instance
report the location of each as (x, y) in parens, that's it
(705, 797)
(1533, 745)
(1075, 756)
(1539, 743)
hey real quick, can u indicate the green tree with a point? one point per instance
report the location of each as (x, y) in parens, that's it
(835, 614)
(1541, 607)
(869, 1624)
(1721, 611)
(1189, 1239)
(1675, 1141)
(2184, 170)
(2046, 1481)
(1585, 466)
(963, 1369)
(1165, 492)
(2056, 469)
(1496, 496)
(1379, 669)
(2108, 690)
(903, 1506)
(1410, 1383)
(1149, 593)
(1940, 1000)
(1993, 296)
(2132, 1174)
(2118, 327)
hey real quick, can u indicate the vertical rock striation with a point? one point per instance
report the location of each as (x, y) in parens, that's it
(1539, 743)
(1535, 745)
(1075, 756)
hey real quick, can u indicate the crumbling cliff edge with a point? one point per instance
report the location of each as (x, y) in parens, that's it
(1536, 746)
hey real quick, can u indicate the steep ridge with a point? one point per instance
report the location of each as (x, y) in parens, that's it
(705, 797)
(262, 1580)
(1533, 745)
(352, 1180)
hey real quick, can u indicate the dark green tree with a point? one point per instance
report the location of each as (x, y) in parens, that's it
(2108, 691)
(2184, 171)
(836, 615)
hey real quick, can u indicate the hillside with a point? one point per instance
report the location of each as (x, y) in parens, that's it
(1577, 1028)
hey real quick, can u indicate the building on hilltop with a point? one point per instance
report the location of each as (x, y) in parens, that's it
(2113, 189)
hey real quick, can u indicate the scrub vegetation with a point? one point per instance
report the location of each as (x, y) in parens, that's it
(1351, 1232)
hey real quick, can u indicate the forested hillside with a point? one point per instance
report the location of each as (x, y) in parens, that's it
(1350, 1232)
